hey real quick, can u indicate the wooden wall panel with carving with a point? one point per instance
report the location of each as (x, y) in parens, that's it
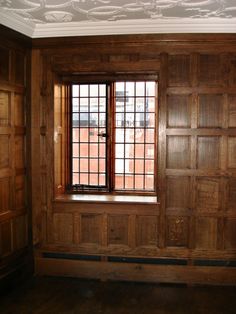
(14, 131)
(196, 150)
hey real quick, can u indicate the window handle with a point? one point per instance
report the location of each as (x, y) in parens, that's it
(102, 134)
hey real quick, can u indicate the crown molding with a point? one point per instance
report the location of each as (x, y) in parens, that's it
(157, 26)
(120, 27)
(17, 23)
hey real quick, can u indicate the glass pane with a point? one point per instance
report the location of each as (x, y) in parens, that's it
(119, 149)
(102, 165)
(149, 182)
(102, 90)
(75, 179)
(102, 105)
(84, 178)
(119, 180)
(150, 135)
(93, 104)
(150, 104)
(102, 150)
(139, 182)
(130, 104)
(139, 166)
(84, 164)
(84, 90)
(93, 119)
(129, 135)
(102, 179)
(102, 119)
(76, 164)
(93, 135)
(149, 166)
(129, 165)
(83, 150)
(149, 151)
(129, 182)
(93, 179)
(93, 149)
(83, 119)
(84, 105)
(94, 165)
(75, 148)
(150, 88)
(129, 150)
(139, 150)
(140, 88)
(139, 135)
(150, 119)
(130, 88)
(119, 135)
(75, 104)
(76, 135)
(75, 120)
(140, 104)
(119, 165)
(119, 119)
(75, 90)
(84, 134)
(93, 90)
(129, 119)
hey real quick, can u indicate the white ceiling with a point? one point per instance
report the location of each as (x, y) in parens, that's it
(53, 18)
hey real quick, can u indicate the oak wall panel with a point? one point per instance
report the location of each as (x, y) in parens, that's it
(210, 111)
(4, 63)
(179, 70)
(232, 152)
(232, 194)
(206, 233)
(118, 229)
(178, 152)
(91, 228)
(177, 231)
(147, 230)
(230, 234)
(4, 151)
(178, 192)
(178, 111)
(63, 228)
(232, 111)
(208, 194)
(4, 108)
(5, 238)
(208, 152)
(19, 110)
(210, 69)
(5, 195)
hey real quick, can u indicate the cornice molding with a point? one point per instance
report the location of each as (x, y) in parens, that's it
(16, 23)
(120, 27)
(157, 26)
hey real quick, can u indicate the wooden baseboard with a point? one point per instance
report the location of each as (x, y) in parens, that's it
(136, 272)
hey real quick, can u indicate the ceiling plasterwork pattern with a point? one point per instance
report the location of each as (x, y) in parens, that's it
(39, 16)
(44, 11)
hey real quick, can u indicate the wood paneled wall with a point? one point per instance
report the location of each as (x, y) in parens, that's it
(194, 222)
(14, 102)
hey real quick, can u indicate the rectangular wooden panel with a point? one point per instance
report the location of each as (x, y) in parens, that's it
(147, 230)
(118, 229)
(178, 152)
(63, 228)
(4, 64)
(19, 152)
(19, 68)
(177, 231)
(207, 194)
(4, 108)
(232, 111)
(179, 70)
(20, 232)
(230, 234)
(232, 194)
(210, 69)
(178, 111)
(232, 152)
(233, 70)
(210, 111)
(206, 233)
(19, 192)
(5, 238)
(178, 192)
(4, 194)
(208, 155)
(4, 151)
(91, 228)
(19, 110)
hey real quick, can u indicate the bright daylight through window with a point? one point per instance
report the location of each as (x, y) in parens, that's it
(114, 136)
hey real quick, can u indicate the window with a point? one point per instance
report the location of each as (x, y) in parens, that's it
(113, 138)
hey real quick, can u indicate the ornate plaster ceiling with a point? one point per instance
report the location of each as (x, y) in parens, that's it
(45, 18)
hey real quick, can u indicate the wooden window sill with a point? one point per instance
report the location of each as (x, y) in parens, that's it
(94, 198)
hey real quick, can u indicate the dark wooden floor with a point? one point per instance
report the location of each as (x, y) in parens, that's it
(68, 295)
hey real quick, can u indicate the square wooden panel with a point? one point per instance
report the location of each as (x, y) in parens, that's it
(63, 228)
(179, 70)
(147, 230)
(91, 228)
(178, 111)
(5, 194)
(178, 152)
(19, 110)
(230, 234)
(178, 192)
(4, 108)
(20, 232)
(4, 64)
(207, 194)
(177, 231)
(206, 233)
(5, 238)
(210, 70)
(19, 68)
(19, 152)
(118, 229)
(19, 192)
(208, 154)
(210, 111)
(232, 111)
(4, 151)
(232, 194)
(232, 152)
(233, 71)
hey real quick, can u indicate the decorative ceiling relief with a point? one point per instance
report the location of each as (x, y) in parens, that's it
(40, 13)
(45, 11)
